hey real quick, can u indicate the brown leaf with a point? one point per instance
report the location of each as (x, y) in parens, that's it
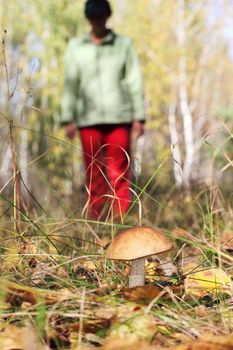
(209, 343)
(227, 241)
(128, 343)
(142, 294)
(189, 264)
(16, 296)
(25, 338)
(106, 312)
(92, 326)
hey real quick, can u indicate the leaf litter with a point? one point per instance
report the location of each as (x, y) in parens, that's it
(87, 306)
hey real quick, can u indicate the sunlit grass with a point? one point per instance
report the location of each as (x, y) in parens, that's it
(59, 280)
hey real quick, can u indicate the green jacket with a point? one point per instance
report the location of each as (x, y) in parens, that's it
(103, 83)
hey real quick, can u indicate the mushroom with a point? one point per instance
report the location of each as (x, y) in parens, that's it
(135, 244)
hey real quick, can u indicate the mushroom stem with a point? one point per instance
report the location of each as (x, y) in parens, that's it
(137, 273)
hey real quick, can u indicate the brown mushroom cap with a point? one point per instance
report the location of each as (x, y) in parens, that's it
(138, 242)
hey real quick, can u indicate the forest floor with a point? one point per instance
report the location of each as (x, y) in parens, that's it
(58, 290)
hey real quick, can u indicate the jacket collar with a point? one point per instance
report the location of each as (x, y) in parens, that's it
(108, 39)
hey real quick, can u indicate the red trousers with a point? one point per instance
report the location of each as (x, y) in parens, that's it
(106, 150)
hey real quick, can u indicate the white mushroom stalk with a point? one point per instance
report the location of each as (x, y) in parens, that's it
(137, 273)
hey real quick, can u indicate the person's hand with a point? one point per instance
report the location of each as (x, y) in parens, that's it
(71, 130)
(137, 129)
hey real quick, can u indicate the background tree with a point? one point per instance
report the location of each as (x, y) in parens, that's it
(185, 55)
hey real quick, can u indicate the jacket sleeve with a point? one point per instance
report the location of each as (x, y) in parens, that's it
(70, 88)
(134, 82)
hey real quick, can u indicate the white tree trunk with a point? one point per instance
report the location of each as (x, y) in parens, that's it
(183, 95)
(5, 168)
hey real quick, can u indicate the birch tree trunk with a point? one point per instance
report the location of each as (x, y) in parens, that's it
(5, 168)
(183, 95)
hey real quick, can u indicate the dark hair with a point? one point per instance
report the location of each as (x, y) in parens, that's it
(97, 7)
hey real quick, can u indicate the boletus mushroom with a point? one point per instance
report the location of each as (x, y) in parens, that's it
(135, 244)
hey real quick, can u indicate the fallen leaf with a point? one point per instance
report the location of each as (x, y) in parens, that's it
(189, 264)
(167, 268)
(209, 343)
(227, 241)
(206, 282)
(151, 269)
(16, 338)
(142, 294)
(137, 327)
(92, 326)
(106, 312)
(127, 343)
(17, 294)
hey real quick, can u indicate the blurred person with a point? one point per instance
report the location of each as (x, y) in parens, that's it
(103, 100)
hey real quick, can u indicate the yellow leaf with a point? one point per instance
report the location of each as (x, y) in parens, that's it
(208, 281)
(150, 269)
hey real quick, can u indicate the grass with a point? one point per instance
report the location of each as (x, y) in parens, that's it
(57, 283)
